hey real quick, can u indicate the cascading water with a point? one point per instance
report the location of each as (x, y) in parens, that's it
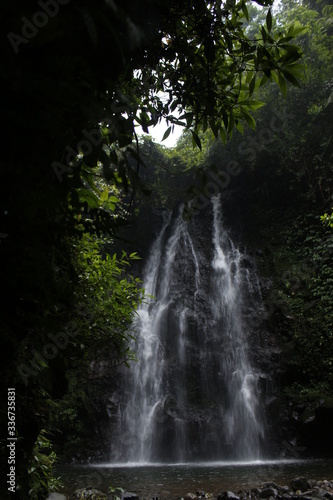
(192, 394)
(243, 426)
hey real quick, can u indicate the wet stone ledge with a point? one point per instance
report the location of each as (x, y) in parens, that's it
(299, 488)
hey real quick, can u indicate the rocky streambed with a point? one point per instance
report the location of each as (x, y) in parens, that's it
(299, 488)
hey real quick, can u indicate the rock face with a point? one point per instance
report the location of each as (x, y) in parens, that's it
(292, 430)
(209, 380)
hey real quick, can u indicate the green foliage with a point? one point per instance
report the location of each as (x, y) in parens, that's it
(106, 296)
(42, 469)
(299, 393)
(164, 175)
(301, 252)
(327, 219)
(115, 492)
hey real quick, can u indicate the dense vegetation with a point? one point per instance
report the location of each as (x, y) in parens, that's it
(75, 83)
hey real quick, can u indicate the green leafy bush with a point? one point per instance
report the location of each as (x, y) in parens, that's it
(42, 469)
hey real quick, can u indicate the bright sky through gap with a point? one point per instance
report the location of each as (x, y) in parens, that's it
(157, 133)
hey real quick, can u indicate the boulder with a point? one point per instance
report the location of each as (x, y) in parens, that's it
(268, 492)
(299, 483)
(271, 485)
(127, 495)
(227, 495)
(190, 496)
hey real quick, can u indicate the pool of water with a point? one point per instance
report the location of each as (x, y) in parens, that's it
(171, 481)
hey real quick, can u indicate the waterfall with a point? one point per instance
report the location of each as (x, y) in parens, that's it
(192, 394)
(243, 425)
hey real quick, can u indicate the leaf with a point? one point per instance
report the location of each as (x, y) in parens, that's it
(89, 197)
(239, 126)
(297, 70)
(105, 195)
(269, 20)
(245, 11)
(134, 256)
(214, 128)
(264, 35)
(264, 80)
(196, 139)
(290, 77)
(296, 31)
(252, 104)
(282, 84)
(166, 133)
(223, 135)
(231, 122)
(249, 120)
(113, 156)
(225, 119)
(252, 85)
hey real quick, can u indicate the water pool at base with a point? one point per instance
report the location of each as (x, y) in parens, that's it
(171, 481)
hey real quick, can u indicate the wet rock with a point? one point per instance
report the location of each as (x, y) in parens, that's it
(56, 496)
(284, 490)
(228, 495)
(127, 495)
(90, 493)
(299, 483)
(268, 492)
(271, 485)
(190, 496)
